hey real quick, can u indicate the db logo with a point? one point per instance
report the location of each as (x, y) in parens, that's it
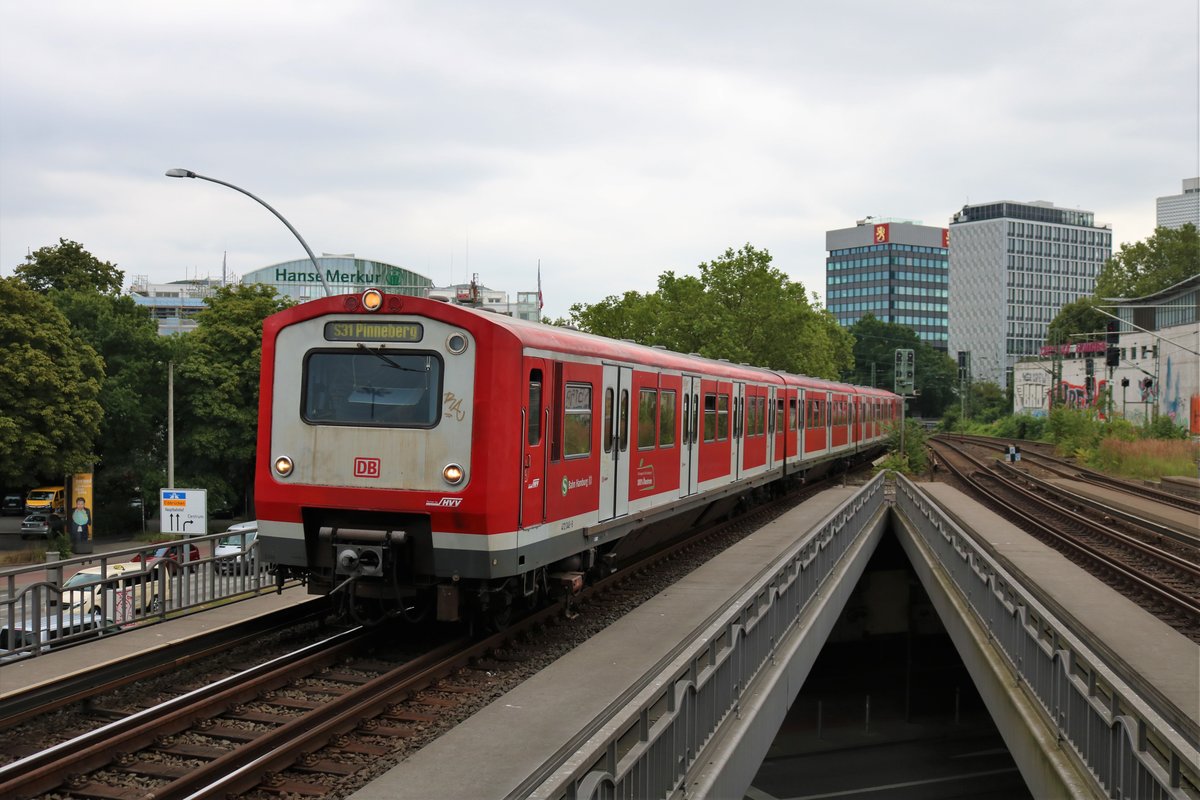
(366, 467)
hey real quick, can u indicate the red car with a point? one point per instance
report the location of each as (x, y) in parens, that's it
(170, 552)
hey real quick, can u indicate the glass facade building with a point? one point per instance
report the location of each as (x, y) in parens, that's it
(894, 269)
(1015, 265)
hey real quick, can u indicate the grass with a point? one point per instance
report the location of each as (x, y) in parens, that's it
(33, 554)
(1147, 459)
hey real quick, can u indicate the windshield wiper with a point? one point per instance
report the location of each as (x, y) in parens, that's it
(378, 353)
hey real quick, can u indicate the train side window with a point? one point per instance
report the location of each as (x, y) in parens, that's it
(624, 441)
(695, 417)
(687, 419)
(577, 422)
(722, 417)
(647, 418)
(761, 426)
(608, 420)
(666, 418)
(534, 423)
(777, 418)
(710, 417)
(792, 421)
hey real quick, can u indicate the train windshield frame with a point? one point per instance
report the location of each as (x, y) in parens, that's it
(372, 386)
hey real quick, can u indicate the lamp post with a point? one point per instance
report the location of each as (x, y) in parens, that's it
(187, 173)
(170, 425)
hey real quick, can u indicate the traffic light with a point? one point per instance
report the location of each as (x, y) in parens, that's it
(1112, 336)
(1089, 367)
(1112, 356)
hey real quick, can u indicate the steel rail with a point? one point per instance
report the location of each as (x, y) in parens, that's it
(48, 768)
(1186, 604)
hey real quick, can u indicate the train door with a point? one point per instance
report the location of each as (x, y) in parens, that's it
(778, 427)
(535, 419)
(614, 468)
(738, 400)
(688, 462)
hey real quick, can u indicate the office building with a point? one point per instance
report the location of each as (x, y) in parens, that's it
(1175, 210)
(1014, 266)
(894, 269)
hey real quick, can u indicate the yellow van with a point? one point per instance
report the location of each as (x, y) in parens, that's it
(51, 499)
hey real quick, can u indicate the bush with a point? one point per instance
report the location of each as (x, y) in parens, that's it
(913, 459)
(1163, 427)
(1020, 426)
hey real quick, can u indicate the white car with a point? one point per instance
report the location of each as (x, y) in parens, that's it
(127, 591)
(235, 549)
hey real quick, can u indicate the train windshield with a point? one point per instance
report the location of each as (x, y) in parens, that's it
(372, 386)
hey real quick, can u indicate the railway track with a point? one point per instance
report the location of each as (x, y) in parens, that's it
(1160, 573)
(1042, 455)
(319, 721)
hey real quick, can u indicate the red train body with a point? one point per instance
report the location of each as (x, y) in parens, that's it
(429, 454)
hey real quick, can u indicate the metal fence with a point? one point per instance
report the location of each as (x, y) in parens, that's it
(648, 747)
(62, 602)
(1128, 749)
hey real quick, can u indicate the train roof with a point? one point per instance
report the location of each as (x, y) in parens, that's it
(539, 336)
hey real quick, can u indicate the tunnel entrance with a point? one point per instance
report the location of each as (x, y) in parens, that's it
(889, 709)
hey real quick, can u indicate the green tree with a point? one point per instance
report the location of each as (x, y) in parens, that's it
(875, 345)
(133, 395)
(67, 266)
(740, 308)
(216, 387)
(49, 384)
(1164, 259)
(1077, 317)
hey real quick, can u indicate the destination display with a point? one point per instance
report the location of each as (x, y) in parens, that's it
(365, 330)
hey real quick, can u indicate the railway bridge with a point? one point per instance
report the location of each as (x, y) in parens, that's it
(1092, 696)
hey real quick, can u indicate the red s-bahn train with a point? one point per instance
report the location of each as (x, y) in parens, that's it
(422, 455)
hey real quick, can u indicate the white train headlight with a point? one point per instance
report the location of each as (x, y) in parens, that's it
(372, 299)
(453, 474)
(283, 466)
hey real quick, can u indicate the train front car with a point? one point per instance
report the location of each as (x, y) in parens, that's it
(374, 459)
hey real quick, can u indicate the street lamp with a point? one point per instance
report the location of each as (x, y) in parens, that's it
(187, 173)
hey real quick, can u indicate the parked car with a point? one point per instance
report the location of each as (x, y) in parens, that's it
(44, 632)
(235, 549)
(12, 505)
(169, 552)
(127, 591)
(42, 524)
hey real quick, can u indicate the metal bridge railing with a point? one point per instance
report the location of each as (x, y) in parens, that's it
(646, 749)
(40, 609)
(1127, 748)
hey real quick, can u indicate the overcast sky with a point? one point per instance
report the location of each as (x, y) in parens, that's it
(611, 140)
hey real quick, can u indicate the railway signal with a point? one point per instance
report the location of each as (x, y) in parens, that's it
(905, 374)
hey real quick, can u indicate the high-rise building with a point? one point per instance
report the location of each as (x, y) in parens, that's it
(1014, 266)
(1176, 210)
(894, 269)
